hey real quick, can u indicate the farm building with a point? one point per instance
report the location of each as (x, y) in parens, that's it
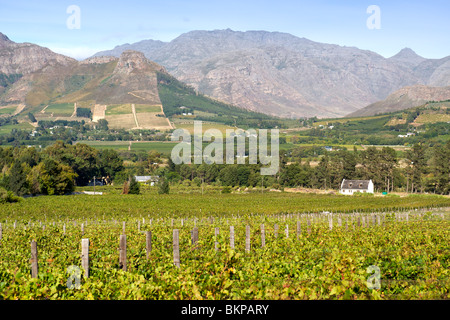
(152, 180)
(351, 186)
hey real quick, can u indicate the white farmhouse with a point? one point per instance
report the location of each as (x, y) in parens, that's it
(152, 180)
(351, 186)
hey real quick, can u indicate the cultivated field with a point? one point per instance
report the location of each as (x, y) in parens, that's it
(153, 121)
(60, 110)
(118, 109)
(8, 110)
(6, 129)
(123, 121)
(189, 126)
(431, 118)
(125, 116)
(225, 246)
(160, 146)
(146, 108)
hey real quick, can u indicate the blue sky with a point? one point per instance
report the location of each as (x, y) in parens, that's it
(423, 26)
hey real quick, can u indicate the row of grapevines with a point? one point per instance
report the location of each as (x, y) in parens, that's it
(412, 255)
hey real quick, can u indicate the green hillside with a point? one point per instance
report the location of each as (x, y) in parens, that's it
(178, 98)
(427, 123)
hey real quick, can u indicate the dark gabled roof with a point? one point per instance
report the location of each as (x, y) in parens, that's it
(355, 184)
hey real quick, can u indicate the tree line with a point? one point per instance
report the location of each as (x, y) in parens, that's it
(60, 167)
(55, 170)
(420, 169)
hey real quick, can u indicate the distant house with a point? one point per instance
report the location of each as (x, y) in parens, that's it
(409, 134)
(328, 148)
(351, 186)
(151, 180)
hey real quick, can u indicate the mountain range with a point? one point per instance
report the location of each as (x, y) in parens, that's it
(270, 72)
(44, 77)
(284, 75)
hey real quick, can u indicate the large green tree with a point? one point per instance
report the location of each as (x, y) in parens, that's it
(417, 165)
(80, 157)
(109, 163)
(18, 179)
(52, 178)
(441, 168)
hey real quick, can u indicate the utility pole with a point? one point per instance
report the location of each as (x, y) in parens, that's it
(94, 185)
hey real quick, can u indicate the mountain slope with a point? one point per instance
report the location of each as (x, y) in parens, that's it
(125, 91)
(278, 73)
(25, 58)
(405, 98)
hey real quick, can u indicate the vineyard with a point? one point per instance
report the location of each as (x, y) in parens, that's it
(257, 246)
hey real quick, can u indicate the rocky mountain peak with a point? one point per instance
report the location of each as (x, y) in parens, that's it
(407, 53)
(4, 40)
(131, 61)
(408, 56)
(26, 58)
(98, 60)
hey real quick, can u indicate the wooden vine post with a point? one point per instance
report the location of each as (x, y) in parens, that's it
(194, 237)
(123, 252)
(216, 236)
(85, 256)
(247, 238)
(263, 236)
(148, 243)
(232, 237)
(34, 259)
(176, 248)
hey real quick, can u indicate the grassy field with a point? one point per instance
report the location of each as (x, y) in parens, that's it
(116, 145)
(118, 109)
(344, 120)
(189, 125)
(21, 126)
(146, 108)
(162, 147)
(60, 109)
(8, 110)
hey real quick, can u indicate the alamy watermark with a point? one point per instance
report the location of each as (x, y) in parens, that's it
(374, 20)
(74, 20)
(374, 281)
(74, 275)
(214, 152)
